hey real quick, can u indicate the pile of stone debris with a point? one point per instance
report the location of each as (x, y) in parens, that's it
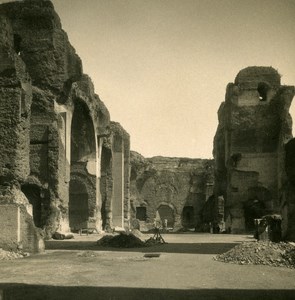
(134, 239)
(10, 255)
(261, 253)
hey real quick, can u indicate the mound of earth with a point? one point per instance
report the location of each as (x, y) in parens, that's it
(260, 253)
(10, 255)
(121, 240)
(134, 239)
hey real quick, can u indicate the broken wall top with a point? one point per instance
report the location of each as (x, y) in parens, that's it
(41, 43)
(253, 120)
(32, 29)
(250, 77)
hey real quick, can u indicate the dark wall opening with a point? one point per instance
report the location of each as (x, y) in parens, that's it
(253, 209)
(78, 205)
(82, 134)
(33, 194)
(258, 205)
(188, 219)
(262, 90)
(17, 43)
(141, 213)
(166, 213)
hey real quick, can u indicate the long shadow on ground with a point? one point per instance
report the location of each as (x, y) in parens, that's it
(16, 291)
(191, 248)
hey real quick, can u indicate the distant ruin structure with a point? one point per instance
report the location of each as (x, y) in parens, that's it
(254, 151)
(171, 189)
(63, 164)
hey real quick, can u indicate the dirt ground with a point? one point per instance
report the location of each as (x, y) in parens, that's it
(185, 269)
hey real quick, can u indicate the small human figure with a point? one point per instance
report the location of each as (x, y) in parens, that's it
(165, 225)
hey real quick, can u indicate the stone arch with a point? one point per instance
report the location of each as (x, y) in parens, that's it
(83, 140)
(83, 169)
(167, 211)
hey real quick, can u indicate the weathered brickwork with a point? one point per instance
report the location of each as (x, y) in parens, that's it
(52, 126)
(175, 189)
(249, 148)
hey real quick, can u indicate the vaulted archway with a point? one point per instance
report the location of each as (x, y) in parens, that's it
(166, 212)
(83, 192)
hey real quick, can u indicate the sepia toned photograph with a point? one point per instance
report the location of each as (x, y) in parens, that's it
(147, 149)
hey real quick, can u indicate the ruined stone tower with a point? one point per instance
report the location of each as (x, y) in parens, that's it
(249, 148)
(57, 141)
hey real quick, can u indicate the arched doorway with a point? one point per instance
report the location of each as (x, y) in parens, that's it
(83, 182)
(166, 213)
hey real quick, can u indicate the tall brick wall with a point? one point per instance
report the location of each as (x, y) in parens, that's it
(254, 125)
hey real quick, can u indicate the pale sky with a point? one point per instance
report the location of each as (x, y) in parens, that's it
(162, 66)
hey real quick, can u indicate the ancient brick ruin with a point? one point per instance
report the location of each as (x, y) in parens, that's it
(254, 150)
(65, 166)
(174, 189)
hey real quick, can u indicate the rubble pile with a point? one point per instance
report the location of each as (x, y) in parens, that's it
(261, 253)
(134, 239)
(10, 255)
(121, 240)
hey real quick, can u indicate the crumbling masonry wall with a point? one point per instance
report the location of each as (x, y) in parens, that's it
(44, 94)
(175, 189)
(288, 195)
(249, 146)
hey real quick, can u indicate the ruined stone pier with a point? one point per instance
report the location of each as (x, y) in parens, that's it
(254, 167)
(57, 142)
